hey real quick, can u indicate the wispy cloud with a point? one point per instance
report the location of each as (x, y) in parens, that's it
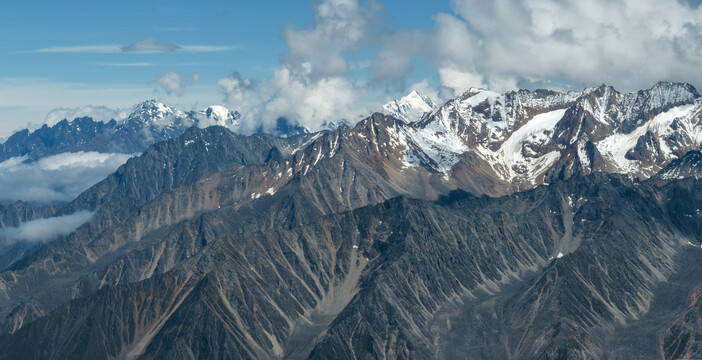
(55, 178)
(141, 46)
(98, 49)
(43, 230)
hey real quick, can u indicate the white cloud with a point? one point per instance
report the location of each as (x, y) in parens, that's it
(174, 83)
(339, 26)
(460, 81)
(310, 86)
(98, 113)
(394, 59)
(630, 44)
(97, 49)
(334, 66)
(45, 229)
(55, 178)
(292, 95)
(206, 48)
(507, 44)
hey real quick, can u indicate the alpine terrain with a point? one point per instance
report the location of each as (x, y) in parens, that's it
(524, 225)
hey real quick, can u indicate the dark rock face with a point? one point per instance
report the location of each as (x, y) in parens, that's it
(12, 215)
(689, 165)
(183, 160)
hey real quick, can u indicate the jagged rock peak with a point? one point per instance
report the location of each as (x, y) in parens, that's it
(410, 108)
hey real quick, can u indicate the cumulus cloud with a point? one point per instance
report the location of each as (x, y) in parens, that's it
(43, 230)
(394, 60)
(174, 83)
(98, 113)
(56, 178)
(339, 26)
(630, 43)
(292, 94)
(311, 86)
(460, 81)
(501, 45)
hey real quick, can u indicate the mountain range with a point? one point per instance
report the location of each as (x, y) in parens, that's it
(149, 122)
(531, 224)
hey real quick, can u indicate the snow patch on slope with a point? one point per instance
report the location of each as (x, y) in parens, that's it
(515, 157)
(434, 146)
(481, 96)
(615, 147)
(536, 131)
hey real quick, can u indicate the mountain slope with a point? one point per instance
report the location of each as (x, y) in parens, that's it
(689, 165)
(387, 280)
(183, 160)
(519, 140)
(378, 159)
(261, 247)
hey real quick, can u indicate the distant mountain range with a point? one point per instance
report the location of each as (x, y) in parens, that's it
(152, 121)
(428, 237)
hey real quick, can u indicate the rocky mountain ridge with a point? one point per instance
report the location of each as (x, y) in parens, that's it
(149, 122)
(310, 246)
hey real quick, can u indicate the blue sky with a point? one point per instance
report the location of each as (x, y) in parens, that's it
(282, 58)
(35, 59)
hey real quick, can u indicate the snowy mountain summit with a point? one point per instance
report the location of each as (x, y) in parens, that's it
(533, 137)
(410, 108)
(218, 115)
(152, 112)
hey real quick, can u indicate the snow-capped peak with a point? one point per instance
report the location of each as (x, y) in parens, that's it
(152, 109)
(218, 115)
(476, 96)
(152, 112)
(410, 108)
